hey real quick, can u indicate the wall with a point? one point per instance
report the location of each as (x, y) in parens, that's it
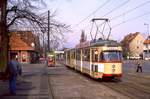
(136, 46)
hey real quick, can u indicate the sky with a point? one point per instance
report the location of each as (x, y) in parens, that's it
(125, 16)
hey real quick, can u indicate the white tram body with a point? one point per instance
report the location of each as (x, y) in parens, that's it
(102, 58)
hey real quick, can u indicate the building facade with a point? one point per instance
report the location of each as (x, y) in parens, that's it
(23, 46)
(20, 48)
(133, 45)
(146, 51)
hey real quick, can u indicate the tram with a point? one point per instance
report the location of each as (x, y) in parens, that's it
(98, 58)
(51, 59)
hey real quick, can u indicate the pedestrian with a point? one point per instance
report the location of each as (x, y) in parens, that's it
(139, 66)
(13, 71)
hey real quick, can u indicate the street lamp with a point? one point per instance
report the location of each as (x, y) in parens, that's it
(147, 38)
(147, 28)
(33, 45)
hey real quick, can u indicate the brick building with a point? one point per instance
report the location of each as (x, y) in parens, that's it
(24, 45)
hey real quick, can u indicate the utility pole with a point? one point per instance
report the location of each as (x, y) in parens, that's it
(148, 38)
(48, 35)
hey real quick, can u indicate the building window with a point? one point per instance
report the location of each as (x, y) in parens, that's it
(146, 45)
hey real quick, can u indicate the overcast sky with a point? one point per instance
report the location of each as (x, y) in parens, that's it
(126, 16)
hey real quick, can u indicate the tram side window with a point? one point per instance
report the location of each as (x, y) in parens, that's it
(64, 56)
(68, 55)
(94, 56)
(73, 55)
(86, 55)
(78, 53)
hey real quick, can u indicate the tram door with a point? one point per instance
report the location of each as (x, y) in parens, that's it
(68, 58)
(95, 58)
(72, 58)
(78, 59)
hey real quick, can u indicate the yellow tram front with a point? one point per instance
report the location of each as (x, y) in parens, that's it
(106, 61)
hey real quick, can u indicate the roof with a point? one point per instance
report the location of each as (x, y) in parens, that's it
(27, 36)
(130, 37)
(147, 41)
(16, 43)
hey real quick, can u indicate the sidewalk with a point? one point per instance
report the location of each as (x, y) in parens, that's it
(33, 85)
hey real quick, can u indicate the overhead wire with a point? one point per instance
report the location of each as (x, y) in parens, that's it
(130, 10)
(116, 8)
(131, 19)
(101, 6)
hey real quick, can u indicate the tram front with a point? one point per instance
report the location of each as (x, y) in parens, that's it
(107, 62)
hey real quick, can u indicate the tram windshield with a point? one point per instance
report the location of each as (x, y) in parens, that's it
(111, 56)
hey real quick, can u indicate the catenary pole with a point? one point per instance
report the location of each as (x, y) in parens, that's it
(48, 35)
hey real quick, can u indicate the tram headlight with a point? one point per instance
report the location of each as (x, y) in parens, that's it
(96, 52)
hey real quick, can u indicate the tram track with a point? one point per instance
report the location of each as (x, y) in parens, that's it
(133, 86)
(144, 83)
(130, 87)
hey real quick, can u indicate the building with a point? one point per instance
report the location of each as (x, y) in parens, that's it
(20, 48)
(23, 45)
(146, 51)
(133, 45)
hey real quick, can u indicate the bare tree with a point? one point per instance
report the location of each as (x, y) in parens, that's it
(21, 13)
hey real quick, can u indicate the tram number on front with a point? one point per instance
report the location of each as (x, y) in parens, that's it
(113, 68)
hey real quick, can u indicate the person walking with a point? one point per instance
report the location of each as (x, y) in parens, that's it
(139, 66)
(13, 71)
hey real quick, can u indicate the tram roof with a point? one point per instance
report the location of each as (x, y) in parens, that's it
(101, 42)
(95, 43)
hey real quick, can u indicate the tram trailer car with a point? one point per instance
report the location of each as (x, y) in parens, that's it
(99, 59)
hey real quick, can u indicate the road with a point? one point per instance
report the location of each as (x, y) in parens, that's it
(68, 84)
(60, 82)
